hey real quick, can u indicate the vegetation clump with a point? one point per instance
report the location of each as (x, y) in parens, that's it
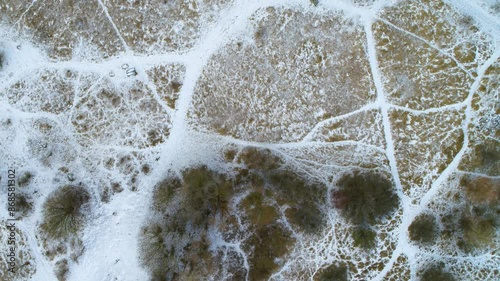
(364, 237)
(436, 273)
(365, 197)
(206, 192)
(423, 229)
(478, 226)
(481, 190)
(61, 270)
(304, 199)
(24, 179)
(259, 213)
(176, 245)
(24, 206)
(333, 272)
(260, 159)
(62, 212)
(270, 244)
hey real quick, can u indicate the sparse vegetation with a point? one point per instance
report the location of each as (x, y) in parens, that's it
(333, 272)
(365, 197)
(423, 229)
(62, 212)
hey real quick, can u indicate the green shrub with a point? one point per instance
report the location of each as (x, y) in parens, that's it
(206, 192)
(304, 200)
(62, 214)
(478, 227)
(176, 246)
(258, 213)
(423, 229)
(269, 243)
(436, 273)
(365, 197)
(332, 273)
(308, 218)
(364, 237)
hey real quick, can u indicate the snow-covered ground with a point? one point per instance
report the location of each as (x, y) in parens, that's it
(245, 81)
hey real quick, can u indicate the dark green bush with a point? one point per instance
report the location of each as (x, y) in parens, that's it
(364, 237)
(309, 219)
(333, 272)
(423, 229)
(436, 273)
(62, 214)
(365, 197)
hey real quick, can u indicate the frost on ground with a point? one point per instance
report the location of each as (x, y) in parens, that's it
(219, 140)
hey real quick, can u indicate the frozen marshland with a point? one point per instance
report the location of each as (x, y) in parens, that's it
(250, 140)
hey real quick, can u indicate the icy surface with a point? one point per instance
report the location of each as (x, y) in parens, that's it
(114, 95)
